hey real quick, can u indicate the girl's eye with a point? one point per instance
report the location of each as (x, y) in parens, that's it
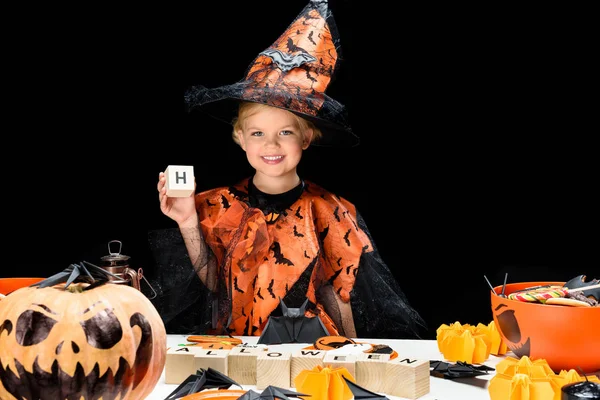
(287, 133)
(257, 133)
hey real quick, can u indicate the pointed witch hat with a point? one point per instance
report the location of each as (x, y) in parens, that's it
(292, 74)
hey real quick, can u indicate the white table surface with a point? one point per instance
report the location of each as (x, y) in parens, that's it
(440, 389)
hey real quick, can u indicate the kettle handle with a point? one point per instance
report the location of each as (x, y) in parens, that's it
(135, 278)
(120, 247)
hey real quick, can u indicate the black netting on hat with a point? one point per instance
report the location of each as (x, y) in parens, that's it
(330, 116)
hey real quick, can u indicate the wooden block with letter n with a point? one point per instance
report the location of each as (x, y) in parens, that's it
(407, 378)
(305, 359)
(273, 368)
(215, 359)
(179, 180)
(179, 364)
(370, 370)
(241, 364)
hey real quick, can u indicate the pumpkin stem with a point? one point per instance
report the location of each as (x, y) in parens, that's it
(82, 272)
(75, 288)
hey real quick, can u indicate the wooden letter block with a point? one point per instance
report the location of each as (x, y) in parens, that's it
(179, 364)
(241, 364)
(370, 371)
(407, 378)
(305, 359)
(273, 368)
(338, 361)
(179, 180)
(215, 359)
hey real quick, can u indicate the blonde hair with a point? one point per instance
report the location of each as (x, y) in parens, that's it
(247, 108)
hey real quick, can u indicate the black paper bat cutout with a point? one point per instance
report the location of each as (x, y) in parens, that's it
(202, 379)
(271, 393)
(441, 369)
(579, 282)
(82, 272)
(361, 393)
(292, 327)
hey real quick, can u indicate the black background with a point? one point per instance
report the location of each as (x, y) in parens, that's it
(477, 128)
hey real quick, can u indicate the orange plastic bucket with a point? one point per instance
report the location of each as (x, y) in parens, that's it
(566, 337)
(8, 285)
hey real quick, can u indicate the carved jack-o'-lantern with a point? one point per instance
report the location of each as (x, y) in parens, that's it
(566, 337)
(106, 342)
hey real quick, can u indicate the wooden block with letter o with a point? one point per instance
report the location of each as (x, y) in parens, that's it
(241, 364)
(273, 368)
(179, 180)
(407, 378)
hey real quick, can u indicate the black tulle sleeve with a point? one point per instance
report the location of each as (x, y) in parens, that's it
(183, 301)
(379, 306)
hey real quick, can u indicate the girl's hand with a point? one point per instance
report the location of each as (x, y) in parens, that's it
(180, 209)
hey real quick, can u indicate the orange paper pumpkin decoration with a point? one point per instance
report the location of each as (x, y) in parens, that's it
(498, 347)
(106, 342)
(463, 343)
(518, 379)
(520, 387)
(324, 383)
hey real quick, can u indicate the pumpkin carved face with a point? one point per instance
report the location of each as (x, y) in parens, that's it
(107, 342)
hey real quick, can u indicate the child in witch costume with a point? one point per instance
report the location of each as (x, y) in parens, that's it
(275, 236)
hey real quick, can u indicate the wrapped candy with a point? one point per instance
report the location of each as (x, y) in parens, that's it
(539, 295)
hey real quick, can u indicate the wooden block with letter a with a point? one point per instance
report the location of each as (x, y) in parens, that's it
(370, 370)
(273, 368)
(407, 378)
(179, 364)
(241, 364)
(179, 180)
(305, 359)
(215, 359)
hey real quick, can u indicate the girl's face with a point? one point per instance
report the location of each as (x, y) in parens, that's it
(273, 142)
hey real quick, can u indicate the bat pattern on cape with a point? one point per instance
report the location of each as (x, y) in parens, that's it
(279, 258)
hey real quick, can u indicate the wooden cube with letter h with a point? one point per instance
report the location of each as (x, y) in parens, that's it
(179, 180)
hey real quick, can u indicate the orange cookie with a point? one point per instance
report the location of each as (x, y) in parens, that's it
(564, 301)
(214, 339)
